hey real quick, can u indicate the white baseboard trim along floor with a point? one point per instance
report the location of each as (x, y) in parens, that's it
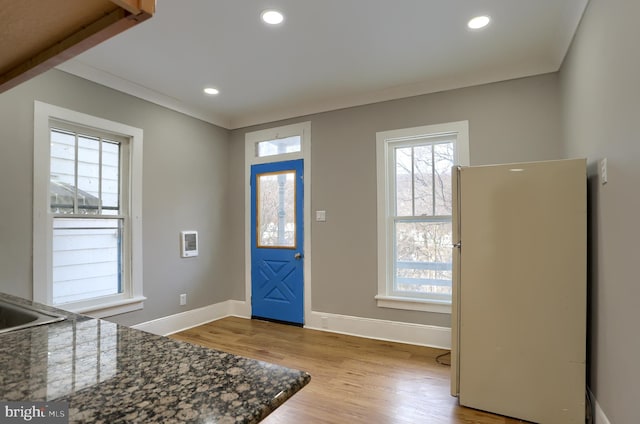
(599, 416)
(401, 332)
(192, 318)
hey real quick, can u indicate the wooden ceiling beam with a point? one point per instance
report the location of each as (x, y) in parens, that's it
(140, 8)
(54, 52)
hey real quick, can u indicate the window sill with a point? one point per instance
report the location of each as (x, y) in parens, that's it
(109, 309)
(413, 304)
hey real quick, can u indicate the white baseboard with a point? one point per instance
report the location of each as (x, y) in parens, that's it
(189, 319)
(401, 332)
(598, 414)
(240, 308)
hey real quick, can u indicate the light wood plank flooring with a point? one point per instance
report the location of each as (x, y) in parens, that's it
(353, 379)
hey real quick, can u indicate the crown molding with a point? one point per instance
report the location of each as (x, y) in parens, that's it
(79, 69)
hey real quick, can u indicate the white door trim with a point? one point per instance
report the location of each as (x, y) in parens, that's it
(303, 129)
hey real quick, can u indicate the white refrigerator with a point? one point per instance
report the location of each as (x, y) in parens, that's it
(519, 290)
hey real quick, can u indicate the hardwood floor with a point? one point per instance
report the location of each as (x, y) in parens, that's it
(353, 379)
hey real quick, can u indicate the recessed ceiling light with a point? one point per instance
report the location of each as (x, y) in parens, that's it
(211, 90)
(272, 17)
(479, 22)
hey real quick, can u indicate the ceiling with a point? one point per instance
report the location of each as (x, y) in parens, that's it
(326, 55)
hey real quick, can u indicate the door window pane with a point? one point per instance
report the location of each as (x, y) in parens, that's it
(275, 209)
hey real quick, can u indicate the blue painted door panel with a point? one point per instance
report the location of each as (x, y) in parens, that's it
(277, 279)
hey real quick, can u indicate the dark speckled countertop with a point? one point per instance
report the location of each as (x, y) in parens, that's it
(114, 374)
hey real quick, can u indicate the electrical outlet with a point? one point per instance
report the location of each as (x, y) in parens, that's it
(183, 299)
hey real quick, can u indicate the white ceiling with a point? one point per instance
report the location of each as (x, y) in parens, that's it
(328, 54)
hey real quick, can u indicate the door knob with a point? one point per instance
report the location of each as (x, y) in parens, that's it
(297, 256)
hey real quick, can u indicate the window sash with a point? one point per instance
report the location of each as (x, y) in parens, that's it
(425, 269)
(88, 258)
(430, 183)
(101, 182)
(101, 269)
(407, 279)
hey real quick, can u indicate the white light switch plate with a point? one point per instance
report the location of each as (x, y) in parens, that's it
(321, 216)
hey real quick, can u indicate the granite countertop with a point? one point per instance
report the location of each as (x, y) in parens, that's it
(110, 373)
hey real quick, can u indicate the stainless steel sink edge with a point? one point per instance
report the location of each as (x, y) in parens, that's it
(41, 316)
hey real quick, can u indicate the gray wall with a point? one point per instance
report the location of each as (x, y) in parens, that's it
(600, 83)
(184, 188)
(511, 121)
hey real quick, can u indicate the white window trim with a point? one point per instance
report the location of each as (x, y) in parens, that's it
(384, 140)
(302, 129)
(42, 222)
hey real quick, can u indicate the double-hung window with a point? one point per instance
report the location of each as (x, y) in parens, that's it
(87, 212)
(414, 214)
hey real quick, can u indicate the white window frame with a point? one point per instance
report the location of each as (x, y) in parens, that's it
(385, 142)
(132, 297)
(303, 130)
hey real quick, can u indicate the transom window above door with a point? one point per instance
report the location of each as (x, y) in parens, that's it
(279, 146)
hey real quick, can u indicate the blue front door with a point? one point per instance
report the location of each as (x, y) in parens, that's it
(277, 283)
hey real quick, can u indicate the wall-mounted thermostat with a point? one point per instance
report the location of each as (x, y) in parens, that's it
(188, 244)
